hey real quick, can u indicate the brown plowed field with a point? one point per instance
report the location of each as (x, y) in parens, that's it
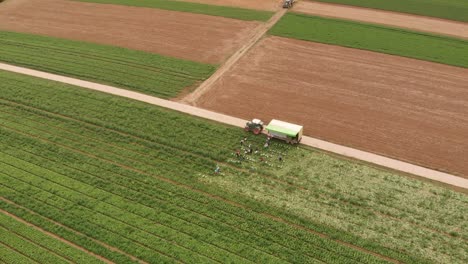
(269, 5)
(419, 23)
(403, 108)
(195, 37)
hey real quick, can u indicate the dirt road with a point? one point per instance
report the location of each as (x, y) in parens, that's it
(368, 157)
(419, 23)
(406, 109)
(260, 31)
(195, 37)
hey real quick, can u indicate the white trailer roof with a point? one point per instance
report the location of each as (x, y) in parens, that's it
(281, 125)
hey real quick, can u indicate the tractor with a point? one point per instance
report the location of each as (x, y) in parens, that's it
(288, 3)
(256, 126)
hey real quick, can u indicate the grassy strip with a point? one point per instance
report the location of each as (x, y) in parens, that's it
(25, 232)
(213, 10)
(139, 71)
(382, 39)
(91, 140)
(447, 9)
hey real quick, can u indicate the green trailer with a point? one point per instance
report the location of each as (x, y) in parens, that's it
(288, 132)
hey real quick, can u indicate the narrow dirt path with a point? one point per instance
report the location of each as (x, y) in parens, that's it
(408, 21)
(258, 33)
(191, 110)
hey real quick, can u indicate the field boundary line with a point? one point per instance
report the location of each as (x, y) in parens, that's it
(238, 122)
(259, 32)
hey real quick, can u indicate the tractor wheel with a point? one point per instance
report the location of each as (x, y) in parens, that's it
(257, 131)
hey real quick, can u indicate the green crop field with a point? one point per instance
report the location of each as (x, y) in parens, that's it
(213, 10)
(21, 243)
(447, 9)
(382, 39)
(139, 71)
(102, 172)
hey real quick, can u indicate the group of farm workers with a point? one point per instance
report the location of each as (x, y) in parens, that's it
(249, 150)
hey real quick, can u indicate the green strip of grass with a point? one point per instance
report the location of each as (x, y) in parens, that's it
(87, 159)
(447, 9)
(382, 39)
(143, 72)
(213, 10)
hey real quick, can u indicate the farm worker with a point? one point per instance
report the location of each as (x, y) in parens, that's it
(280, 158)
(218, 169)
(242, 142)
(262, 159)
(238, 153)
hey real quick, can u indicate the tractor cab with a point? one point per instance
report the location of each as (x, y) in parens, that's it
(288, 3)
(256, 126)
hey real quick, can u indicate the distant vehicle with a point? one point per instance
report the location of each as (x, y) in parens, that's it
(288, 132)
(288, 3)
(256, 126)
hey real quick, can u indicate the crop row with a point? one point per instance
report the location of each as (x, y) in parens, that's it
(130, 69)
(17, 230)
(28, 249)
(64, 232)
(151, 134)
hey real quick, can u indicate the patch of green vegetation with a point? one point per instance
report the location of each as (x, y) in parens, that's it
(382, 39)
(143, 72)
(213, 10)
(447, 9)
(30, 242)
(140, 178)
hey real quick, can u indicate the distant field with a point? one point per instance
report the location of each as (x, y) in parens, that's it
(213, 10)
(382, 39)
(140, 178)
(447, 9)
(139, 71)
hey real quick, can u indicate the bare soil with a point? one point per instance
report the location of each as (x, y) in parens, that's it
(196, 37)
(419, 23)
(407, 109)
(268, 5)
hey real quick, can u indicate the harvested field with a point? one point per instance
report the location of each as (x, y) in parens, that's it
(425, 24)
(195, 37)
(270, 5)
(407, 109)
